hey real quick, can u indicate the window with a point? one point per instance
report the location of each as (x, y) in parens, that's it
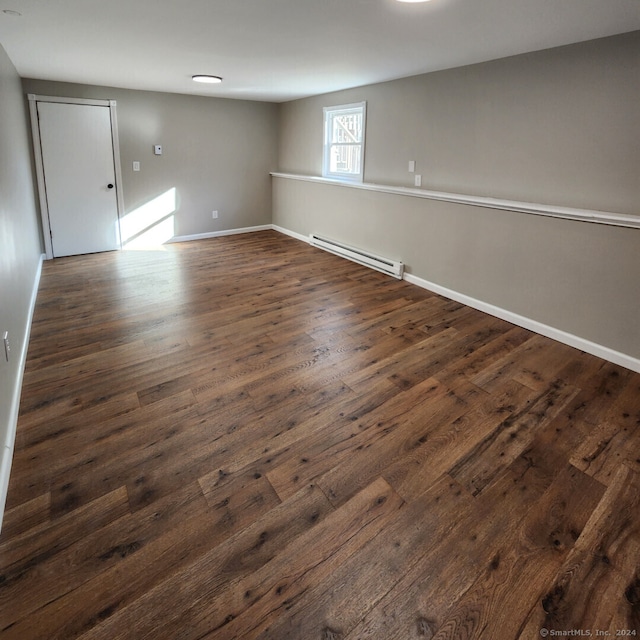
(344, 128)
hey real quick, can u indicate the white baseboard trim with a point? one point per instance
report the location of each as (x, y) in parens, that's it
(219, 234)
(6, 456)
(622, 359)
(593, 348)
(292, 234)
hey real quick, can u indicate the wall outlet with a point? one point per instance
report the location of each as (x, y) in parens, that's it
(412, 166)
(214, 214)
(157, 149)
(417, 180)
(7, 347)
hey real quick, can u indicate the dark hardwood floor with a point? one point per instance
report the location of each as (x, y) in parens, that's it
(246, 437)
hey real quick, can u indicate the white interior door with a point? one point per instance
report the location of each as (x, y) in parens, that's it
(79, 175)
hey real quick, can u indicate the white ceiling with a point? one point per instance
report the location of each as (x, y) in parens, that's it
(279, 50)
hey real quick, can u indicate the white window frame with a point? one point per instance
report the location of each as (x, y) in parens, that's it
(329, 114)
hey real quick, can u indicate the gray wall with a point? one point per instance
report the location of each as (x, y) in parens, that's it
(559, 127)
(20, 248)
(216, 153)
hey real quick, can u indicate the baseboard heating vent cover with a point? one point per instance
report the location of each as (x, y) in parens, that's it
(385, 265)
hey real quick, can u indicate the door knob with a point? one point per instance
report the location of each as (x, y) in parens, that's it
(109, 186)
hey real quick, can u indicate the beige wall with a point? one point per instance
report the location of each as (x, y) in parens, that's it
(577, 277)
(216, 153)
(20, 248)
(559, 127)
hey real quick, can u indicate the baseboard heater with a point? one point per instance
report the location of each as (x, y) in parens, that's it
(390, 267)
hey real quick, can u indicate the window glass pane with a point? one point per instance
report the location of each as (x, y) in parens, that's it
(344, 132)
(347, 127)
(345, 159)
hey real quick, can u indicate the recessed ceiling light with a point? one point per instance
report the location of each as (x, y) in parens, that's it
(11, 12)
(207, 79)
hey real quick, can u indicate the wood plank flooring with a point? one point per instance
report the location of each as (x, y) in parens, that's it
(249, 438)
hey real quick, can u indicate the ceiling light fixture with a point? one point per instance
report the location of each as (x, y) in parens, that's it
(207, 79)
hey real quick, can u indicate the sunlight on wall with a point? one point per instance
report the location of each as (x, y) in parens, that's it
(150, 225)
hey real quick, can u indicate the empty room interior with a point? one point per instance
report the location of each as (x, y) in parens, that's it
(319, 320)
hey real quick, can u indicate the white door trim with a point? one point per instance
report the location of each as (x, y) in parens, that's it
(116, 164)
(37, 153)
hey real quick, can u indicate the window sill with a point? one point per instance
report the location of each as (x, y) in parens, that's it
(566, 213)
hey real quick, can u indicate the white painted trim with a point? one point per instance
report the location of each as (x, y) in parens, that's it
(42, 197)
(593, 348)
(218, 234)
(115, 142)
(293, 234)
(326, 149)
(6, 456)
(37, 153)
(96, 103)
(566, 213)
